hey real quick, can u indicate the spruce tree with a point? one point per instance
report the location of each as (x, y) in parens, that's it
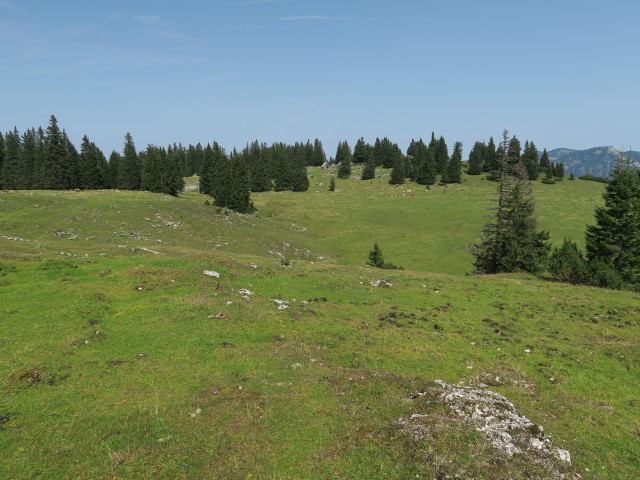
(442, 155)
(319, 158)
(530, 160)
(129, 168)
(88, 166)
(453, 173)
(115, 160)
(239, 193)
(28, 158)
(544, 161)
(299, 177)
(52, 171)
(369, 170)
(1, 157)
(11, 174)
(332, 184)
(510, 241)
(281, 168)
(360, 151)
(426, 160)
(375, 257)
(615, 238)
(344, 159)
(397, 173)
(475, 158)
(490, 160)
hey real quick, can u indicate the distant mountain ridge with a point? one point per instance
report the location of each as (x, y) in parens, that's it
(598, 161)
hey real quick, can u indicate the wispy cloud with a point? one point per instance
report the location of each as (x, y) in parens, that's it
(14, 9)
(155, 25)
(311, 17)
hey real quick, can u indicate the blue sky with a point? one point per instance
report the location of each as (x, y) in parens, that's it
(562, 73)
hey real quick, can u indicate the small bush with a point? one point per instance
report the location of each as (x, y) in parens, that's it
(567, 264)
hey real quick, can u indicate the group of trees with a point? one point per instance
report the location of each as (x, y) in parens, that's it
(423, 163)
(47, 160)
(485, 158)
(612, 257)
(510, 241)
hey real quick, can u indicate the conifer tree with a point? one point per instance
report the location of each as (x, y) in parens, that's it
(343, 159)
(369, 170)
(88, 166)
(299, 178)
(453, 173)
(490, 160)
(238, 197)
(530, 159)
(510, 241)
(558, 171)
(70, 163)
(332, 184)
(1, 157)
(11, 174)
(51, 174)
(375, 257)
(259, 167)
(360, 151)
(544, 161)
(475, 158)
(397, 173)
(281, 167)
(129, 167)
(114, 165)
(28, 158)
(319, 158)
(442, 155)
(614, 240)
(426, 160)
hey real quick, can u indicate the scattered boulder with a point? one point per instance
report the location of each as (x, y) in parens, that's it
(211, 273)
(381, 283)
(508, 432)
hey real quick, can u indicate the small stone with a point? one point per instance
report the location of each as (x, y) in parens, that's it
(211, 273)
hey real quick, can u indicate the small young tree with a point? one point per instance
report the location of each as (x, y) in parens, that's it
(332, 184)
(567, 264)
(375, 257)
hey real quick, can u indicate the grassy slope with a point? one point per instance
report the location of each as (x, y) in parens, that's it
(322, 382)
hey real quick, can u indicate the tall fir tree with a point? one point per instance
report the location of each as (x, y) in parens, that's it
(299, 177)
(615, 238)
(28, 157)
(90, 177)
(369, 170)
(510, 241)
(70, 165)
(544, 161)
(360, 151)
(52, 171)
(476, 156)
(11, 174)
(530, 159)
(239, 194)
(344, 159)
(1, 157)
(442, 155)
(490, 159)
(319, 157)
(115, 159)
(281, 169)
(426, 160)
(397, 172)
(453, 172)
(129, 168)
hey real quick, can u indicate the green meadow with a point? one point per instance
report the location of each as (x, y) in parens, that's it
(121, 359)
